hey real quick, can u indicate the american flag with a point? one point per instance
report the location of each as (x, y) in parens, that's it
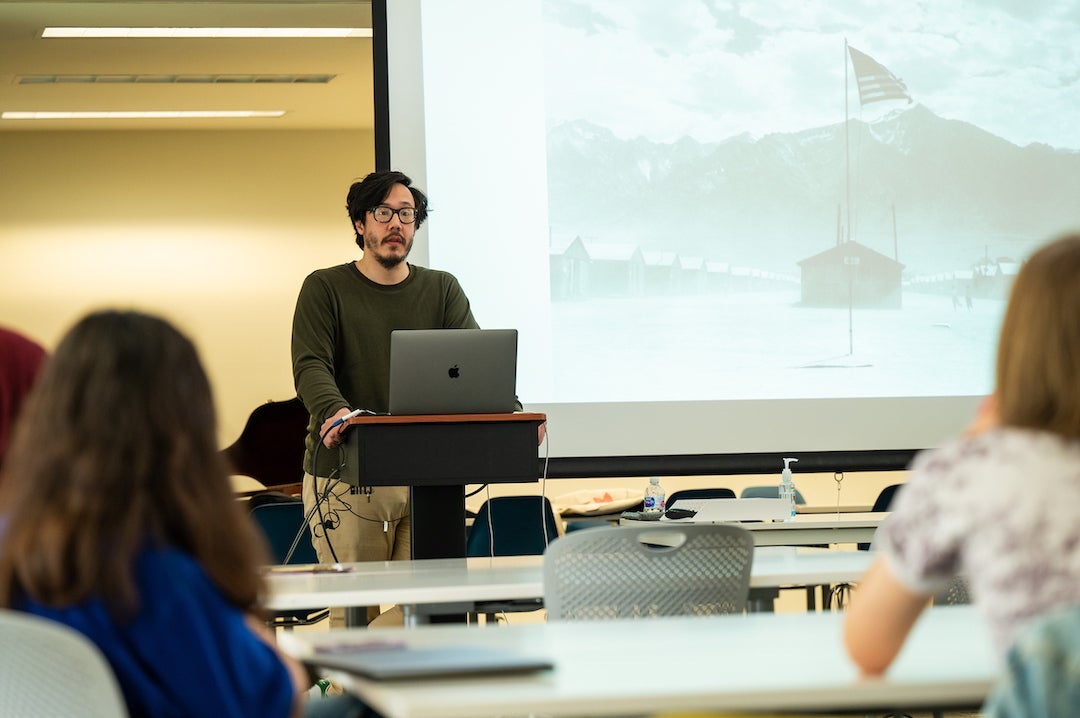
(876, 83)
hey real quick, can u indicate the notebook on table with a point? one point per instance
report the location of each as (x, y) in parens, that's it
(400, 662)
(453, 371)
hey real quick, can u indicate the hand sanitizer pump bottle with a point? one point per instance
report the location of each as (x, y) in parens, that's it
(787, 489)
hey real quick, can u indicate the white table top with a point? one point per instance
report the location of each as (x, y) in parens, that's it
(753, 662)
(501, 578)
(805, 530)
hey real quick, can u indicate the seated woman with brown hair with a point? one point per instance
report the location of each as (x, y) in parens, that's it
(999, 506)
(116, 518)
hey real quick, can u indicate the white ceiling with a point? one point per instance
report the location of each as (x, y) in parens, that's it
(345, 102)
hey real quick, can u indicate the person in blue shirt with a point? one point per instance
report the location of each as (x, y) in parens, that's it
(117, 519)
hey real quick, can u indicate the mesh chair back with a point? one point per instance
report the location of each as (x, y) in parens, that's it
(520, 525)
(49, 669)
(955, 594)
(638, 572)
(768, 492)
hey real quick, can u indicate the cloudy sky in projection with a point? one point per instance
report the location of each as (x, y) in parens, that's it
(712, 69)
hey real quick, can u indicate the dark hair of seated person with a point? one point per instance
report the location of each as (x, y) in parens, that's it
(116, 451)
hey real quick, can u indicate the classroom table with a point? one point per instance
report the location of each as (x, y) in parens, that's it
(456, 585)
(805, 530)
(737, 663)
(615, 516)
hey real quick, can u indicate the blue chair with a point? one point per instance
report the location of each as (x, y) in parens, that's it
(281, 518)
(882, 503)
(280, 522)
(717, 493)
(1040, 676)
(511, 526)
(768, 492)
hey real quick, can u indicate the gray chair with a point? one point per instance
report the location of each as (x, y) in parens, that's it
(956, 593)
(49, 669)
(640, 572)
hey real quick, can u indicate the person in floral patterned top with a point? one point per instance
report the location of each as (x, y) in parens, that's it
(1000, 505)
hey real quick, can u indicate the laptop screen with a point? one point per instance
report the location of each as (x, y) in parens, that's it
(453, 371)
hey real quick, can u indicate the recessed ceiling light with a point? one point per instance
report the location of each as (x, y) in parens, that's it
(140, 115)
(213, 32)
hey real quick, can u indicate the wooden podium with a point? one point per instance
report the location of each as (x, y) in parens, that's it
(435, 456)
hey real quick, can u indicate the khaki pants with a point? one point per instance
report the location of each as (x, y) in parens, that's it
(374, 527)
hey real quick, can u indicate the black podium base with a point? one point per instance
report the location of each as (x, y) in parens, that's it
(438, 521)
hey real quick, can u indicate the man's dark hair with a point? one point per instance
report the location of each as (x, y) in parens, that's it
(366, 194)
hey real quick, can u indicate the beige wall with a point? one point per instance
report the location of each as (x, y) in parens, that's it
(819, 489)
(214, 230)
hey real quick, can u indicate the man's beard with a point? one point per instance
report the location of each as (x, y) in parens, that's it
(387, 261)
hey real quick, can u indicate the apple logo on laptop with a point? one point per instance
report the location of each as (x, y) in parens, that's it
(454, 372)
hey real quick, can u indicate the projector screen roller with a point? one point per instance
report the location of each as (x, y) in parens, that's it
(737, 229)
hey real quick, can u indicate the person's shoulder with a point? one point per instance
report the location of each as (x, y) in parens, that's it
(18, 343)
(1011, 444)
(170, 565)
(432, 276)
(968, 448)
(172, 581)
(171, 560)
(330, 279)
(330, 273)
(996, 454)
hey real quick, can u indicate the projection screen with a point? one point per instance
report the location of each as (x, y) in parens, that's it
(732, 231)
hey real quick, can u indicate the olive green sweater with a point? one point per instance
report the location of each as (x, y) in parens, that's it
(341, 338)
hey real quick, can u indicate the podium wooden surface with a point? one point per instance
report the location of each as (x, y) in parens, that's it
(436, 455)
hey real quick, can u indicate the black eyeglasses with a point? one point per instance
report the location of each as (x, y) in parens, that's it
(384, 214)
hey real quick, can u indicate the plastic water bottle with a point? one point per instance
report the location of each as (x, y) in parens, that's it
(654, 496)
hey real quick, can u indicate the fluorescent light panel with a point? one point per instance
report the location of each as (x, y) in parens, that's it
(204, 32)
(141, 115)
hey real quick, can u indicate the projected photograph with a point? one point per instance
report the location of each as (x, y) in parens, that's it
(754, 200)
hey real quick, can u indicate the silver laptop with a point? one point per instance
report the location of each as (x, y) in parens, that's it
(453, 371)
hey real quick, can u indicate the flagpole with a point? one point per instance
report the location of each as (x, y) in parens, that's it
(847, 149)
(847, 192)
